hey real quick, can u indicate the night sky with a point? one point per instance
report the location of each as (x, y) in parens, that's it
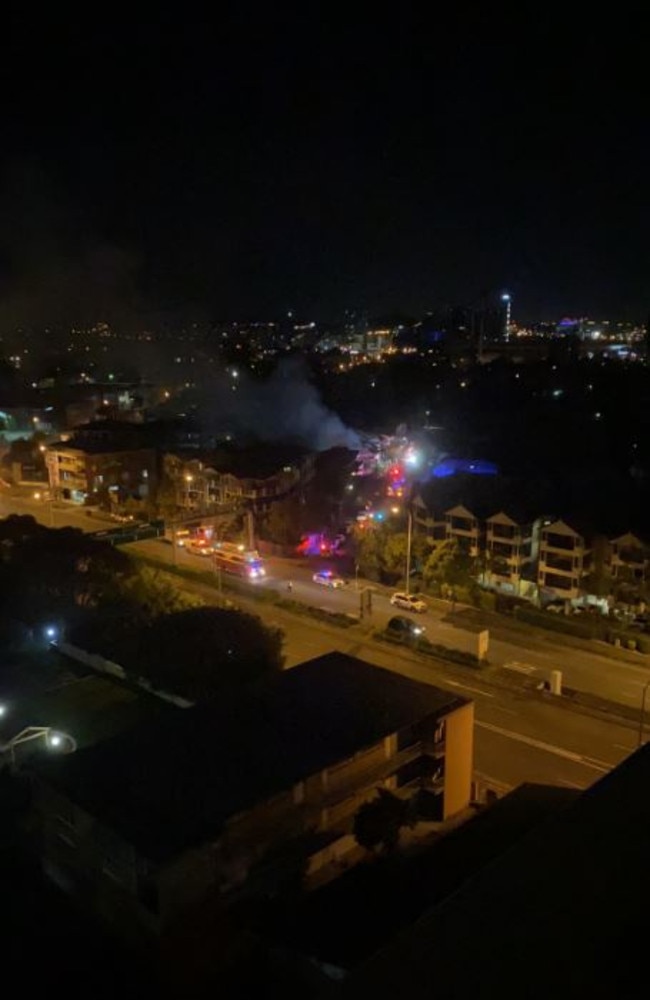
(259, 162)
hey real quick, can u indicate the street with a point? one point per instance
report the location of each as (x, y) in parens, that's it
(517, 737)
(533, 653)
(53, 514)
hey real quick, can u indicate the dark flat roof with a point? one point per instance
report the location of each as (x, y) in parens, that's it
(562, 913)
(175, 782)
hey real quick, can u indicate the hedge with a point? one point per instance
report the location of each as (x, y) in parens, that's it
(433, 649)
(558, 623)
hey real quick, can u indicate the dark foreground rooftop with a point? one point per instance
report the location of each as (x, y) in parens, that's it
(563, 913)
(175, 781)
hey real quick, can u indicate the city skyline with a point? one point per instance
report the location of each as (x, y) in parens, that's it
(294, 164)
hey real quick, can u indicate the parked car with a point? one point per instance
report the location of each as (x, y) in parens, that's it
(326, 578)
(405, 627)
(556, 607)
(409, 602)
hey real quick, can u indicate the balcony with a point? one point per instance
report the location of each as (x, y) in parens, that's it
(561, 543)
(363, 776)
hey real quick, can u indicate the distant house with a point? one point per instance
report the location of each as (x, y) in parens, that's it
(228, 799)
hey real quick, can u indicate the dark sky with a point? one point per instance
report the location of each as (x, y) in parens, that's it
(260, 162)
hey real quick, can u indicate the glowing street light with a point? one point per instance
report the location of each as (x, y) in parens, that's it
(507, 300)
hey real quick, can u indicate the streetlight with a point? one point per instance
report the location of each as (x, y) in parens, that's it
(52, 739)
(642, 716)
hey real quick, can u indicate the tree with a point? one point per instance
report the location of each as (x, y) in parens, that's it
(284, 523)
(205, 652)
(369, 552)
(47, 572)
(450, 564)
(378, 822)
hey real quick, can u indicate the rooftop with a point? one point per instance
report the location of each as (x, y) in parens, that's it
(174, 782)
(560, 913)
(352, 917)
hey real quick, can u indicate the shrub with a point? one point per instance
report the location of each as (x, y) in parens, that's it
(643, 644)
(558, 623)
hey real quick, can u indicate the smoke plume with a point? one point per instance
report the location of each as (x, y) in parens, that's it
(285, 407)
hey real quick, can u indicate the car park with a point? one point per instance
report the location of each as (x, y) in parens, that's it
(405, 627)
(409, 602)
(326, 578)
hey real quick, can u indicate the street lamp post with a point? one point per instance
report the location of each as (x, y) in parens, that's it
(409, 537)
(642, 715)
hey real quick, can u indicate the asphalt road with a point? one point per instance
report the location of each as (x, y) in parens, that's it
(52, 515)
(532, 652)
(517, 737)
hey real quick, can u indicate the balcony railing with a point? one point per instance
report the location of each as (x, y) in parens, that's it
(363, 776)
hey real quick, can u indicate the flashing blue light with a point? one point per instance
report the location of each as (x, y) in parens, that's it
(454, 466)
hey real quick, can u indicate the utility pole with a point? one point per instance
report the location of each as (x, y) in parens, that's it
(250, 530)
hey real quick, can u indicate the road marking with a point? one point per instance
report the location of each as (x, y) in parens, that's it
(466, 687)
(619, 746)
(510, 711)
(591, 762)
(520, 668)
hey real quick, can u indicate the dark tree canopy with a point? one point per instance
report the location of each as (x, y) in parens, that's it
(46, 572)
(204, 652)
(378, 822)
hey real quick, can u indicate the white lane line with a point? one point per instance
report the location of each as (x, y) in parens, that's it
(520, 668)
(466, 687)
(591, 762)
(502, 708)
(619, 746)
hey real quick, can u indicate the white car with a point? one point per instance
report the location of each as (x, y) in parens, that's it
(410, 602)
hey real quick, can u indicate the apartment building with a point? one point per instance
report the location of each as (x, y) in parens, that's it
(224, 800)
(465, 527)
(627, 559)
(564, 561)
(507, 550)
(77, 472)
(252, 476)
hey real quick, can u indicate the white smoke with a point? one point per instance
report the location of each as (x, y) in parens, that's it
(284, 407)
